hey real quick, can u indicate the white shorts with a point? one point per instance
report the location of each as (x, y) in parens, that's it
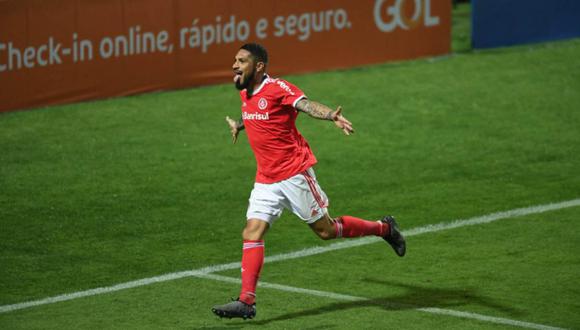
(300, 194)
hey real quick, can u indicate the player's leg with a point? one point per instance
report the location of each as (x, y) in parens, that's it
(252, 261)
(324, 227)
(265, 207)
(310, 204)
(255, 229)
(252, 258)
(348, 226)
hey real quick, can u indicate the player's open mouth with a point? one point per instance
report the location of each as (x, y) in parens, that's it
(237, 76)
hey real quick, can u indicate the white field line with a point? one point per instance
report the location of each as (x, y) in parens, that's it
(293, 255)
(430, 310)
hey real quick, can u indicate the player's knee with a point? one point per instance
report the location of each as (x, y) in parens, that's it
(324, 228)
(251, 234)
(325, 234)
(254, 230)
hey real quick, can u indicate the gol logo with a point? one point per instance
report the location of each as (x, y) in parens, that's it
(397, 18)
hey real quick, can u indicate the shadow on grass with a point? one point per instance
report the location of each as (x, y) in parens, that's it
(414, 297)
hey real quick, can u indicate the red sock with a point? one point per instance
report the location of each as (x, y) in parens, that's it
(347, 226)
(252, 261)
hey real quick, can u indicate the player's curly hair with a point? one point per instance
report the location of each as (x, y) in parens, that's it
(258, 52)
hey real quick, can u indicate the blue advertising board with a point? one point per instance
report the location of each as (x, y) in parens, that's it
(497, 23)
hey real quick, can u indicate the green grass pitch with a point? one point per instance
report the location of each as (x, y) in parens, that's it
(102, 193)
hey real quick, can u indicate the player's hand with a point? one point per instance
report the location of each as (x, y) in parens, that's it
(341, 122)
(233, 128)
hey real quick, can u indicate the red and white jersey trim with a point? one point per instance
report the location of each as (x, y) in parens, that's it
(264, 82)
(298, 99)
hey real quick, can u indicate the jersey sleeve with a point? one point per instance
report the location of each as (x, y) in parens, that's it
(290, 93)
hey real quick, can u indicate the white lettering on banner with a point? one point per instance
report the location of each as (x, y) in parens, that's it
(261, 28)
(234, 30)
(210, 34)
(255, 116)
(82, 48)
(306, 23)
(46, 54)
(134, 42)
(398, 18)
(221, 30)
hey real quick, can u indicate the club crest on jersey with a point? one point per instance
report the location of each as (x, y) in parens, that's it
(262, 104)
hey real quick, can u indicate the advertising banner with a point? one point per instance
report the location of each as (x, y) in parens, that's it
(499, 23)
(60, 51)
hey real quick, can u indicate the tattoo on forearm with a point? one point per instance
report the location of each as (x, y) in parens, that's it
(314, 109)
(240, 124)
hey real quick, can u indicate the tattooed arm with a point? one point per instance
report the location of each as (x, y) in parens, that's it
(314, 109)
(320, 111)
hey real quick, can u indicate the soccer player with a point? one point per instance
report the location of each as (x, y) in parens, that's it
(285, 178)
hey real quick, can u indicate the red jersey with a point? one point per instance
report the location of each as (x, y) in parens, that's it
(270, 121)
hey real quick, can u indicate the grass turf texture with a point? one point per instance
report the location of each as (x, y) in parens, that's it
(100, 193)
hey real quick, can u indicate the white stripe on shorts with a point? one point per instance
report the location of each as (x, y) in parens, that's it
(315, 193)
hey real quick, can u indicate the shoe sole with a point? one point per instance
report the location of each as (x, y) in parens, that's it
(227, 315)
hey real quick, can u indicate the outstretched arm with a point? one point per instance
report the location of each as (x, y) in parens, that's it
(321, 111)
(235, 127)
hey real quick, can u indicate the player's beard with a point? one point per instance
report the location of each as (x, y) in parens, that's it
(248, 83)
